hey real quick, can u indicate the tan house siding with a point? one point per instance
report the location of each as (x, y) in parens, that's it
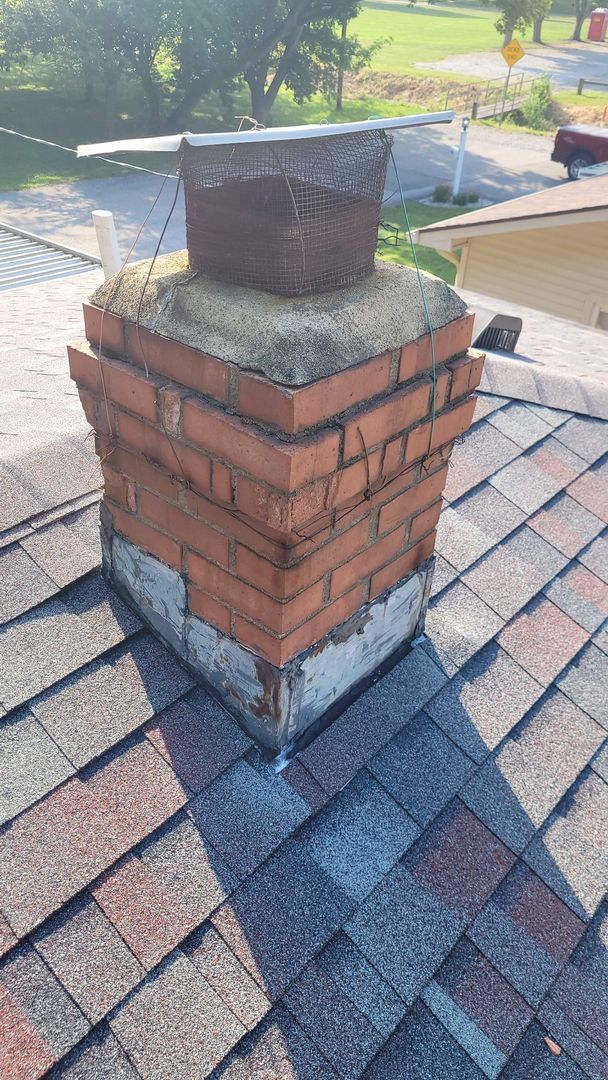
(561, 270)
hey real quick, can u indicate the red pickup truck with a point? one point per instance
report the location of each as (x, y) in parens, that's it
(580, 145)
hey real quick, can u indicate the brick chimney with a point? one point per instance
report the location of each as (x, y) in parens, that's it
(273, 475)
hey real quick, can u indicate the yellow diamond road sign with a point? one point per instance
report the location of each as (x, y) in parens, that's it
(512, 52)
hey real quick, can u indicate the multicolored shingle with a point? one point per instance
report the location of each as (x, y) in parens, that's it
(479, 1008)
(89, 957)
(198, 739)
(421, 768)
(174, 1024)
(358, 836)
(542, 639)
(273, 936)
(347, 1038)
(163, 890)
(63, 842)
(566, 525)
(570, 853)
(516, 789)
(246, 813)
(484, 701)
(526, 932)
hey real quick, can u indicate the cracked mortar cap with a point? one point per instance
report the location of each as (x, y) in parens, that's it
(290, 340)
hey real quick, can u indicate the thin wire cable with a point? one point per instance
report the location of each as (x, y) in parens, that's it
(423, 295)
(71, 150)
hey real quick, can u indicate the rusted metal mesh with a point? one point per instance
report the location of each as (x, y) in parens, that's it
(290, 217)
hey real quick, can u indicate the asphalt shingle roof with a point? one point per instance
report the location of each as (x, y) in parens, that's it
(419, 895)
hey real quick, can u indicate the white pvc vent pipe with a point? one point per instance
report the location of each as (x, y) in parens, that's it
(107, 241)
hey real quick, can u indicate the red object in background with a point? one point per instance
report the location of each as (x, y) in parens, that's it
(598, 25)
(579, 145)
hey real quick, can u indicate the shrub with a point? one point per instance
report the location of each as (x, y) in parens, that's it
(472, 197)
(461, 199)
(536, 111)
(442, 193)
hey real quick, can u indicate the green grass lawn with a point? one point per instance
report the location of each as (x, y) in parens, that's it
(419, 215)
(424, 33)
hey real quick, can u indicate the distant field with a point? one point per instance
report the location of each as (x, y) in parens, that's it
(423, 33)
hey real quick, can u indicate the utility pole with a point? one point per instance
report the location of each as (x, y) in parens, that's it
(340, 88)
(460, 157)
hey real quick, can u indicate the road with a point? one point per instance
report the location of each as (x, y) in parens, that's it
(565, 65)
(499, 165)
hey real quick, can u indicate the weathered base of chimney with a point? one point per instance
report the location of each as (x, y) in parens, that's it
(276, 706)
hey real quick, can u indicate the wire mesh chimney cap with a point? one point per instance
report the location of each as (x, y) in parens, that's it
(290, 211)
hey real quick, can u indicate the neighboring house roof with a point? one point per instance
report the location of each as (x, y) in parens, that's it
(26, 259)
(419, 894)
(567, 203)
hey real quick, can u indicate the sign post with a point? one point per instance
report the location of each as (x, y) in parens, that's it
(511, 53)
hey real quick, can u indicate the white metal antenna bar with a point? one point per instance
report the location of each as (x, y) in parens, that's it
(171, 143)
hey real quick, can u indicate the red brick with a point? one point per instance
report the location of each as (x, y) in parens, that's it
(424, 522)
(170, 406)
(178, 459)
(284, 465)
(411, 501)
(184, 528)
(183, 365)
(442, 386)
(221, 482)
(466, 373)
(119, 488)
(147, 538)
(287, 519)
(402, 566)
(233, 524)
(278, 617)
(396, 413)
(85, 368)
(315, 629)
(384, 490)
(103, 328)
(278, 651)
(408, 361)
(209, 609)
(282, 582)
(149, 476)
(393, 457)
(359, 568)
(119, 382)
(449, 341)
(448, 426)
(127, 388)
(298, 408)
(99, 413)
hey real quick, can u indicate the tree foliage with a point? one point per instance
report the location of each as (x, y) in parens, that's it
(204, 46)
(515, 16)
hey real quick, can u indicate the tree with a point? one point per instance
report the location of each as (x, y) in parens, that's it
(582, 8)
(540, 10)
(105, 37)
(268, 43)
(515, 17)
(307, 59)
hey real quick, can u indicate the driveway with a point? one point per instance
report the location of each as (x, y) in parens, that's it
(565, 65)
(499, 165)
